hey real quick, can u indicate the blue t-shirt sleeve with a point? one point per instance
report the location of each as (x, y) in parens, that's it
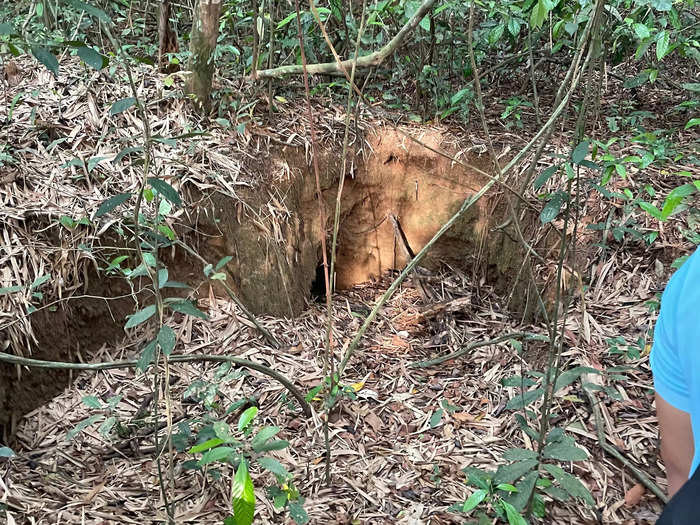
(669, 380)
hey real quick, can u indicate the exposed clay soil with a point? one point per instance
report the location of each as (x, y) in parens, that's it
(73, 332)
(274, 235)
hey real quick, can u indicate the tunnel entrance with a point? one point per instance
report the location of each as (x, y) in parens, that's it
(318, 285)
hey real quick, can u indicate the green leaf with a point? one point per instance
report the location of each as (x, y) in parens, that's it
(477, 477)
(569, 376)
(552, 208)
(472, 501)
(6, 452)
(650, 209)
(692, 86)
(45, 56)
(263, 436)
(82, 426)
(207, 445)
(544, 177)
(215, 454)
(92, 58)
(273, 466)
(524, 399)
(641, 31)
(106, 427)
(675, 197)
(222, 430)
(175, 284)
(517, 381)
(127, 151)
(557, 493)
(514, 26)
(166, 339)
(6, 29)
(518, 454)
(68, 222)
(243, 495)
(514, 517)
(663, 41)
(246, 417)
(506, 487)
(278, 444)
(636, 81)
(223, 262)
(564, 450)
(692, 122)
(11, 289)
(39, 281)
(162, 277)
(166, 190)
(662, 5)
(146, 357)
(297, 512)
(556, 434)
(92, 402)
(286, 20)
(580, 152)
(496, 33)
(141, 316)
(436, 418)
(570, 484)
(122, 105)
(525, 487)
(94, 161)
(188, 308)
(538, 15)
(92, 11)
(514, 471)
(112, 203)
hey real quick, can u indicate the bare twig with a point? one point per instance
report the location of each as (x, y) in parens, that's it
(459, 353)
(610, 449)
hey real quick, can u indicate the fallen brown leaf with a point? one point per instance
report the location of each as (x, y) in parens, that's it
(634, 495)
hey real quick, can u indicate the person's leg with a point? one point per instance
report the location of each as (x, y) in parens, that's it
(677, 446)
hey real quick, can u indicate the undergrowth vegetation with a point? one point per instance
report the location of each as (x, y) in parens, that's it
(551, 60)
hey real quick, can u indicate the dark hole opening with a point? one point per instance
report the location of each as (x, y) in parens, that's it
(318, 285)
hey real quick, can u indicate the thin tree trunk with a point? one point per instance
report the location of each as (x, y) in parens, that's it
(205, 32)
(167, 39)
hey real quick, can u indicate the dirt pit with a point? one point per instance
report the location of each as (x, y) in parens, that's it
(397, 194)
(394, 187)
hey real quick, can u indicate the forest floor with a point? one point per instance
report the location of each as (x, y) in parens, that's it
(398, 449)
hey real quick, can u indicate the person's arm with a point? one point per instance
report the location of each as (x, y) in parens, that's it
(677, 445)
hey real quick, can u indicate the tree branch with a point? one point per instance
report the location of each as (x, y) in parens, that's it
(38, 363)
(371, 60)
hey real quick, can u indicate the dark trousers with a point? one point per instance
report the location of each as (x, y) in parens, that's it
(684, 507)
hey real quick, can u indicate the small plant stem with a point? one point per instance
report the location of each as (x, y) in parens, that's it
(256, 40)
(610, 449)
(479, 344)
(314, 159)
(336, 226)
(531, 57)
(270, 53)
(328, 363)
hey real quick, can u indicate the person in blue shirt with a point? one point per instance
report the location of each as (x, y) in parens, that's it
(675, 365)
